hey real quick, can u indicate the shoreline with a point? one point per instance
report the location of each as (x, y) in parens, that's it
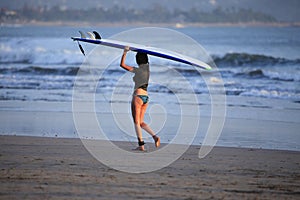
(127, 144)
(52, 168)
(259, 126)
(144, 24)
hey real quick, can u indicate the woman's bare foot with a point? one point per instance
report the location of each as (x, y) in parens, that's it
(156, 140)
(140, 148)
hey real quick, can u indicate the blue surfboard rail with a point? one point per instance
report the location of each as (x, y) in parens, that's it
(148, 50)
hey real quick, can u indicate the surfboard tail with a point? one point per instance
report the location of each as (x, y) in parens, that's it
(92, 36)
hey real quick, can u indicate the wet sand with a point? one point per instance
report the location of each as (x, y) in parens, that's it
(56, 168)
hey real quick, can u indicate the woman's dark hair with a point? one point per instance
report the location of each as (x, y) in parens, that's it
(141, 58)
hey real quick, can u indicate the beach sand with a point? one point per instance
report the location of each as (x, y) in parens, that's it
(57, 168)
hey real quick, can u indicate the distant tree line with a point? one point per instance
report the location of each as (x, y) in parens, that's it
(154, 14)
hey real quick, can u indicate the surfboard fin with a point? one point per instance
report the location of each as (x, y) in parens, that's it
(81, 49)
(82, 35)
(92, 36)
(97, 35)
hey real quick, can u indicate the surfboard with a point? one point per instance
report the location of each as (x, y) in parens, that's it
(95, 38)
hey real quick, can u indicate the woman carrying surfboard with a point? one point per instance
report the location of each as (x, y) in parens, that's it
(140, 96)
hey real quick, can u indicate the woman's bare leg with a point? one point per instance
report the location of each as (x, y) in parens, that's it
(146, 127)
(138, 113)
(143, 124)
(136, 105)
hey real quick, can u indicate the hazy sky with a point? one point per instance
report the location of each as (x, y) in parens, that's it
(282, 10)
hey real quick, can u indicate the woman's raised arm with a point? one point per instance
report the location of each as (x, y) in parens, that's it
(122, 64)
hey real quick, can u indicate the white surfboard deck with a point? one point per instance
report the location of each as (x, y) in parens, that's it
(153, 51)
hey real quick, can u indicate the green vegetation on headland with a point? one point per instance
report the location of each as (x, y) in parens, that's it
(117, 14)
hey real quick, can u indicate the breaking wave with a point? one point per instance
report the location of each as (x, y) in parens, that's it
(244, 59)
(38, 64)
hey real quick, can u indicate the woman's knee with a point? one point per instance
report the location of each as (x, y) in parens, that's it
(137, 122)
(143, 124)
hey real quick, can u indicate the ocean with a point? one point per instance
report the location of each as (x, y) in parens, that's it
(259, 67)
(41, 63)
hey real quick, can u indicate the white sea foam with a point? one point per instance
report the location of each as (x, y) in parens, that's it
(51, 63)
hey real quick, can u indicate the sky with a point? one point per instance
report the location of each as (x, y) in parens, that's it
(282, 10)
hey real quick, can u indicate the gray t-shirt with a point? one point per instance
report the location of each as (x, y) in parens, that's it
(141, 77)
